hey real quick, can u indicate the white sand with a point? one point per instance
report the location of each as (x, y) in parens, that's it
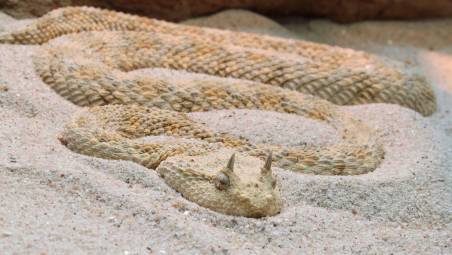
(53, 201)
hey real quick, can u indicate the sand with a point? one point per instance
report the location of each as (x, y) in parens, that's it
(53, 201)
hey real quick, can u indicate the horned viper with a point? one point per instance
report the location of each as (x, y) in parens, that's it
(89, 57)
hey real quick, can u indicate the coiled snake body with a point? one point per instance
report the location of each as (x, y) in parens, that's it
(92, 65)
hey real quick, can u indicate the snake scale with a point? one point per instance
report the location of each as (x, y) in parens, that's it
(89, 56)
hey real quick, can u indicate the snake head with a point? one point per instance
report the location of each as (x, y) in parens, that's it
(244, 186)
(251, 197)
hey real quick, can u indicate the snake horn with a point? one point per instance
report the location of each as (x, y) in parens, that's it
(268, 164)
(231, 161)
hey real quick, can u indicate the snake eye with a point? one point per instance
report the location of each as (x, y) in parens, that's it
(221, 181)
(273, 183)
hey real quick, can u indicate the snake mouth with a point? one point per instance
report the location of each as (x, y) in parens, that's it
(271, 207)
(258, 207)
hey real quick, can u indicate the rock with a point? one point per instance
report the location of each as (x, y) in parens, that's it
(339, 10)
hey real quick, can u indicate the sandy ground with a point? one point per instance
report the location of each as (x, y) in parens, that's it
(53, 201)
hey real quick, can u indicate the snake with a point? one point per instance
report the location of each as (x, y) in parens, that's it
(93, 57)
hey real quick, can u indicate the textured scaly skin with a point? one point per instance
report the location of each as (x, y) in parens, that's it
(91, 69)
(111, 131)
(341, 76)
